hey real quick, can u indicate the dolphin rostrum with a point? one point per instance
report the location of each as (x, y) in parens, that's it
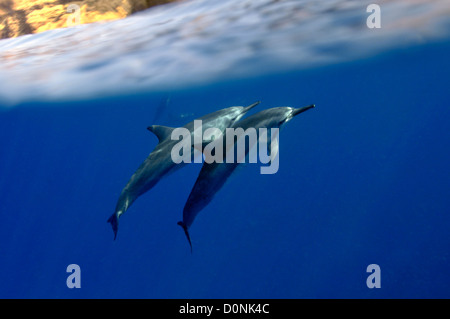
(214, 175)
(159, 162)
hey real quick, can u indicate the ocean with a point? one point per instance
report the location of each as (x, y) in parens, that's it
(363, 178)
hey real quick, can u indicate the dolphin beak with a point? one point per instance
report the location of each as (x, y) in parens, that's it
(302, 109)
(248, 108)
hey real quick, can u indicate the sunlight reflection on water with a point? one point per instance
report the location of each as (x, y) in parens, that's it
(197, 41)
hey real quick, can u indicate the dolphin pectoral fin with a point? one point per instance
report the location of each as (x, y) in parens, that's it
(186, 232)
(248, 108)
(114, 223)
(161, 132)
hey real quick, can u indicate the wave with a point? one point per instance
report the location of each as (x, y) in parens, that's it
(201, 41)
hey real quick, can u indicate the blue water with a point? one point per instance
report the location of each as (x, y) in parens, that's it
(363, 179)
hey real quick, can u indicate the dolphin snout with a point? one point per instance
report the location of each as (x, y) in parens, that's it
(302, 109)
(248, 108)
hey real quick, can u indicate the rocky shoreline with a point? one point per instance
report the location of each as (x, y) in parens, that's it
(19, 17)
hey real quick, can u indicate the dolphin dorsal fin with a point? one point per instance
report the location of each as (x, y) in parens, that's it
(161, 132)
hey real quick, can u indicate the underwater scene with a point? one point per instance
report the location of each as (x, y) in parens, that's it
(357, 205)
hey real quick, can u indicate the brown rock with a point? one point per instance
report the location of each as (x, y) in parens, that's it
(19, 17)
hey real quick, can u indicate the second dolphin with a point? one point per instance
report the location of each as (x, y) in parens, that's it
(214, 175)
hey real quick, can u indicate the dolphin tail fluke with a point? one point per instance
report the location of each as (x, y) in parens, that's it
(113, 220)
(186, 232)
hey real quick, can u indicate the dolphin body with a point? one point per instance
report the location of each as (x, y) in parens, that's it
(214, 175)
(159, 163)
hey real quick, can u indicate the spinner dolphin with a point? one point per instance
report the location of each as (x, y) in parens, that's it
(159, 162)
(214, 175)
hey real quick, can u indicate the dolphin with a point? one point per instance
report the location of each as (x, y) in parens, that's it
(159, 162)
(213, 175)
